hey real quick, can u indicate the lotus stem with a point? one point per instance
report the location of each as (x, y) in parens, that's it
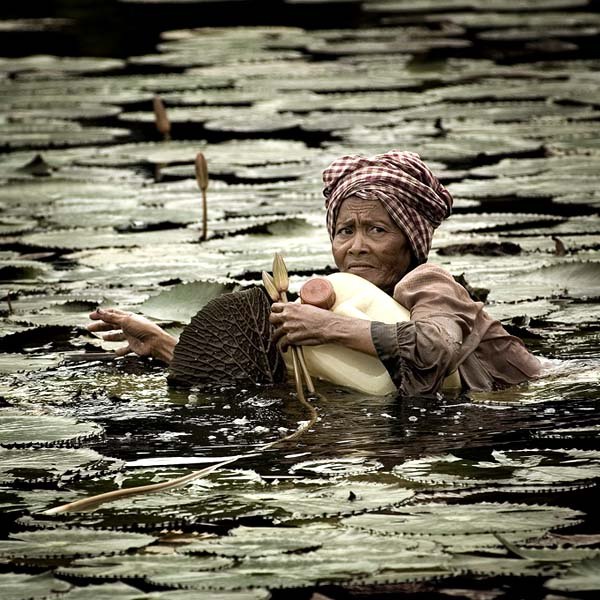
(281, 281)
(10, 307)
(309, 382)
(202, 179)
(297, 374)
(94, 501)
(161, 119)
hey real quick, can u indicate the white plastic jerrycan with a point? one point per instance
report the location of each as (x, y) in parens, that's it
(354, 297)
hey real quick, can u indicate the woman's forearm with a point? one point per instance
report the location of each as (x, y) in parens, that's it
(352, 333)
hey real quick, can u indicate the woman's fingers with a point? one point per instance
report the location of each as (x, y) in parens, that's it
(100, 326)
(123, 351)
(118, 336)
(109, 315)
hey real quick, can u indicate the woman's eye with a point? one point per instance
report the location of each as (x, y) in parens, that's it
(376, 229)
(345, 231)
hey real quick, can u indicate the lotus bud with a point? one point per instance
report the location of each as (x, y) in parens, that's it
(201, 171)
(202, 179)
(280, 274)
(160, 117)
(270, 286)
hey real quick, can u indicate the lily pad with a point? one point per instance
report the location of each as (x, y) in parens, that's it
(573, 279)
(543, 468)
(52, 464)
(484, 517)
(496, 112)
(140, 566)
(550, 555)
(70, 65)
(107, 591)
(581, 577)
(22, 586)
(183, 301)
(63, 543)
(45, 133)
(341, 556)
(37, 431)
(435, 6)
(337, 467)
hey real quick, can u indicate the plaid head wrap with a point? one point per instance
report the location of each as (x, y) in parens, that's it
(414, 198)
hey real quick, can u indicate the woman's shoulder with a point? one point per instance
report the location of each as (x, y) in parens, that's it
(429, 283)
(427, 273)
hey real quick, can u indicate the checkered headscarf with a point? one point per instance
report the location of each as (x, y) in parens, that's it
(416, 201)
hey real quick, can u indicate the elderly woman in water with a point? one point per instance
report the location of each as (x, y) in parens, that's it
(381, 215)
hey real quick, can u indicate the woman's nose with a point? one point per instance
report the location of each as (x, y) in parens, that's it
(358, 245)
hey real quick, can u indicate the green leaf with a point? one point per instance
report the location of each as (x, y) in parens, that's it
(52, 464)
(581, 577)
(140, 566)
(485, 517)
(19, 430)
(63, 543)
(21, 586)
(183, 301)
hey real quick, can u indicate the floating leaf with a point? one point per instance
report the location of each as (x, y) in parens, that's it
(440, 519)
(42, 62)
(245, 542)
(21, 586)
(51, 464)
(19, 430)
(343, 498)
(62, 543)
(183, 301)
(107, 591)
(537, 467)
(340, 467)
(581, 577)
(10, 363)
(550, 555)
(342, 555)
(140, 566)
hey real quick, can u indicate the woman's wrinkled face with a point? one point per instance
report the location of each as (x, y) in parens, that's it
(368, 243)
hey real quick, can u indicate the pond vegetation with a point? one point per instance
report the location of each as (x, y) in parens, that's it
(486, 495)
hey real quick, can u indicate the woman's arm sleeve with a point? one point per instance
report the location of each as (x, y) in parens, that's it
(420, 353)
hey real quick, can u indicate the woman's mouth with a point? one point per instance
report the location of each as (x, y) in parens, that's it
(359, 266)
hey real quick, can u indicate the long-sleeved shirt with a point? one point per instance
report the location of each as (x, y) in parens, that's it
(448, 331)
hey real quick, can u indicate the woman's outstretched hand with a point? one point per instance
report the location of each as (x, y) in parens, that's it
(143, 337)
(306, 325)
